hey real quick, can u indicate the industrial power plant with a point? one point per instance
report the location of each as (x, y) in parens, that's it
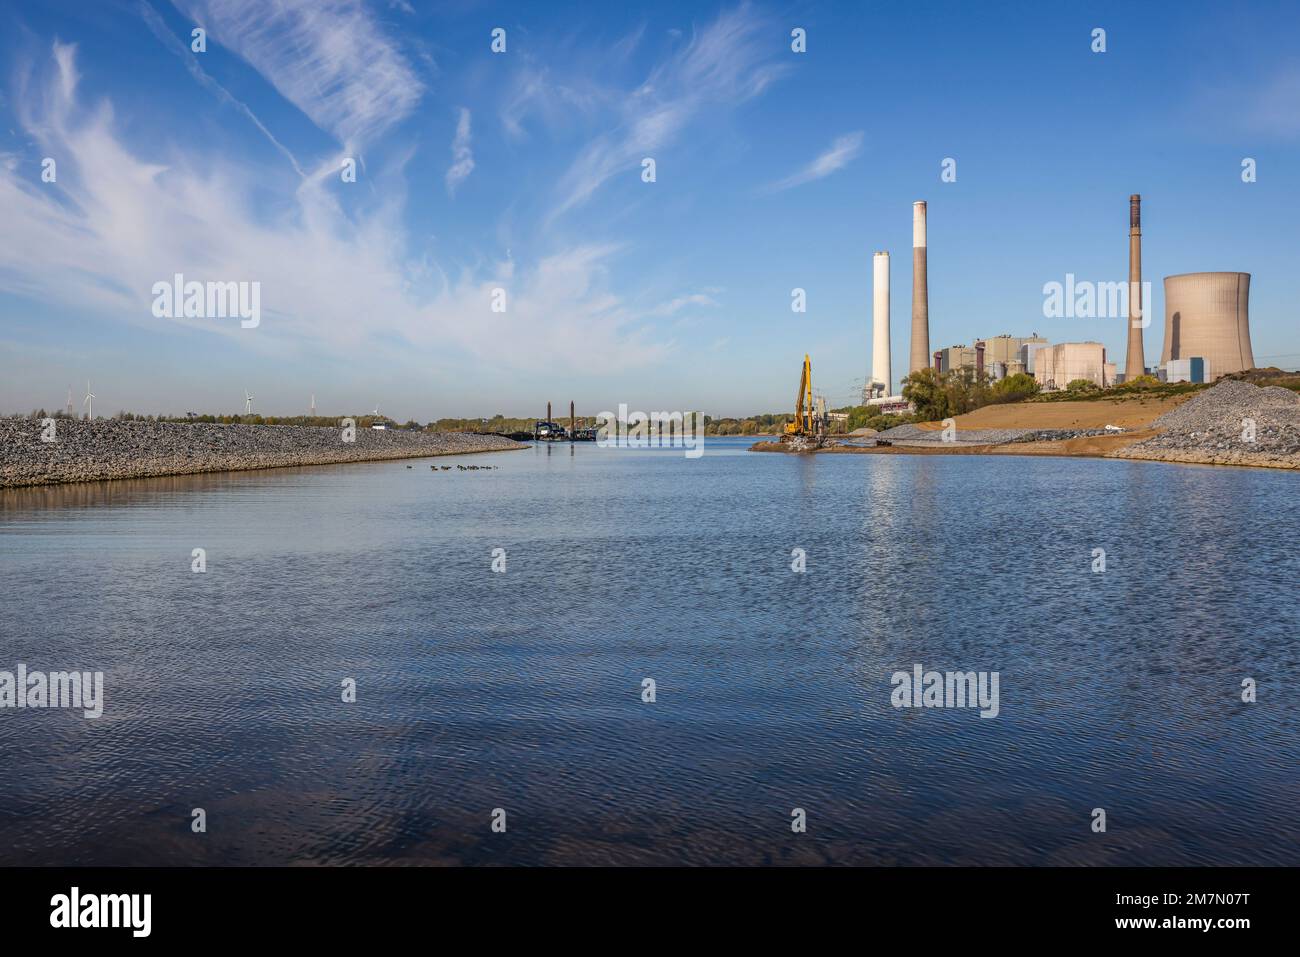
(1206, 335)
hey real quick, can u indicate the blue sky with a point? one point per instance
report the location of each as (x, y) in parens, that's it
(522, 171)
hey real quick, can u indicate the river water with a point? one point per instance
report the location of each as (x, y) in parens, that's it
(522, 690)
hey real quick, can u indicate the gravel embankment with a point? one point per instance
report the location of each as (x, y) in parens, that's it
(1213, 429)
(911, 436)
(110, 449)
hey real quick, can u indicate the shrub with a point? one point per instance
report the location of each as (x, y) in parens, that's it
(1014, 388)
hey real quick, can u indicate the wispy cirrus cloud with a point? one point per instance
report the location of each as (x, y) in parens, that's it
(329, 58)
(462, 156)
(169, 40)
(536, 92)
(674, 306)
(728, 62)
(115, 223)
(838, 155)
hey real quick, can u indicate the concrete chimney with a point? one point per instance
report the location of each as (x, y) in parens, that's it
(1135, 363)
(920, 293)
(880, 371)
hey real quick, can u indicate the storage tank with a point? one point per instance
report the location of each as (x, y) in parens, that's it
(1207, 314)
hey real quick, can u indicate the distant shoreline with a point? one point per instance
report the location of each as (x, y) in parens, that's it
(1202, 428)
(1082, 448)
(110, 449)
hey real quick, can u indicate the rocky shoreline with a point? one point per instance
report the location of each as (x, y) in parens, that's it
(112, 449)
(1233, 423)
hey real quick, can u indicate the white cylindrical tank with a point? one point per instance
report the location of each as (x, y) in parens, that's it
(880, 371)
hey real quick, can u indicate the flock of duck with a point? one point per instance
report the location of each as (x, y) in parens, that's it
(463, 468)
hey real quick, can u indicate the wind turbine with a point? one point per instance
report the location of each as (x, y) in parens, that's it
(313, 405)
(88, 402)
(69, 409)
(248, 402)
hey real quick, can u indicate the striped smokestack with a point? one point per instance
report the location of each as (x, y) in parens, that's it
(1135, 362)
(920, 354)
(880, 371)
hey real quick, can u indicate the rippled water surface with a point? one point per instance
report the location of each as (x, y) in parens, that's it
(522, 691)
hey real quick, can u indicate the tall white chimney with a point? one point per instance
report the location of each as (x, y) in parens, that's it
(880, 373)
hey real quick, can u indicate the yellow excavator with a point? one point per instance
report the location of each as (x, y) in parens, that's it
(806, 421)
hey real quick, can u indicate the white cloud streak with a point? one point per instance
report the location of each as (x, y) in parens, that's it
(840, 153)
(728, 62)
(674, 306)
(462, 157)
(114, 224)
(329, 58)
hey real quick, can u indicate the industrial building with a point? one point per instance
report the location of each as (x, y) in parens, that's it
(1006, 348)
(1027, 351)
(996, 357)
(1055, 367)
(956, 357)
(1207, 316)
(1005, 355)
(1184, 370)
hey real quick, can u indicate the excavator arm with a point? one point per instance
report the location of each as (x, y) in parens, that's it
(803, 403)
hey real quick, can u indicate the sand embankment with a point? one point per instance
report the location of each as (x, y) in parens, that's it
(1133, 413)
(112, 449)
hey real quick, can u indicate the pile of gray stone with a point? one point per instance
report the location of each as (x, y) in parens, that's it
(82, 451)
(1060, 435)
(1233, 423)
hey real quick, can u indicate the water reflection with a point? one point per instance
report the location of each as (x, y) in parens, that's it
(523, 689)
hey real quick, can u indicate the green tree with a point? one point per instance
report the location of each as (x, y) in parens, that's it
(924, 388)
(1014, 388)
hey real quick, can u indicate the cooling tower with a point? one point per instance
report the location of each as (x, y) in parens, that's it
(880, 372)
(920, 355)
(1207, 314)
(1135, 361)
